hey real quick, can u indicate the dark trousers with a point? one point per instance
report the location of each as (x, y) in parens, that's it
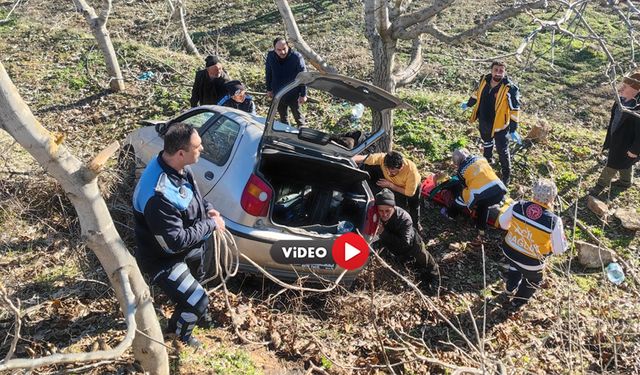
(295, 110)
(524, 282)
(424, 262)
(481, 207)
(502, 146)
(180, 282)
(410, 203)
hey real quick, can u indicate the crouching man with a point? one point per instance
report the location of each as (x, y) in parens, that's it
(398, 174)
(172, 224)
(534, 232)
(481, 189)
(398, 235)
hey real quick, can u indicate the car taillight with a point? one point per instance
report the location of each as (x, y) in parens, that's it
(256, 196)
(372, 220)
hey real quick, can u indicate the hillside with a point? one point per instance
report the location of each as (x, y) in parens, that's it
(578, 323)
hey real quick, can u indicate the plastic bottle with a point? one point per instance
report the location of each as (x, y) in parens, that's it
(615, 273)
(344, 227)
(357, 111)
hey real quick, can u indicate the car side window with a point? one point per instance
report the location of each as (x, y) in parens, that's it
(218, 140)
(199, 119)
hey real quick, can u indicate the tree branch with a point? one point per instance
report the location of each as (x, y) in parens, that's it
(405, 21)
(294, 36)
(104, 14)
(431, 29)
(18, 322)
(411, 71)
(92, 356)
(6, 19)
(189, 45)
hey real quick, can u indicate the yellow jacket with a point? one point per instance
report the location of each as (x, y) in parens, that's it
(507, 104)
(408, 177)
(533, 231)
(479, 179)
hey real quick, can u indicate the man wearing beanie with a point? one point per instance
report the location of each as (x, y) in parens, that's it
(208, 86)
(281, 68)
(623, 137)
(496, 106)
(400, 175)
(237, 98)
(397, 234)
(534, 232)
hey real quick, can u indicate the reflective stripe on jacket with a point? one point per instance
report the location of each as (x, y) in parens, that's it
(507, 103)
(479, 178)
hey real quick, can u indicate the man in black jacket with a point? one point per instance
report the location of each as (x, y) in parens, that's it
(208, 86)
(172, 224)
(281, 68)
(623, 137)
(397, 234)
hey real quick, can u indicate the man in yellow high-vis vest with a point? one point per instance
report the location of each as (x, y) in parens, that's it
(534, 232)
(496, 106)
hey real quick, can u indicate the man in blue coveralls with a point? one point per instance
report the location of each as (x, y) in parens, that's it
(172, 224)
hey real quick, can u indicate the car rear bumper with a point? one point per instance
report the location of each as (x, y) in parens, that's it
(256, 244)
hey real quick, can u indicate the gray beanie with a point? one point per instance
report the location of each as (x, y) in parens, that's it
(459, 155)
(544, 191)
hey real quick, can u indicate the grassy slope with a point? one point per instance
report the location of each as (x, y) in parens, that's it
(60, 74)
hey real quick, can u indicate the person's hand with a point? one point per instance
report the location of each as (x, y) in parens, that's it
(380, 227)
(270, 94)
(302, 99)
(632, 155)
(213, 213)
(464, 106)
(384, 183)
(516, 137)
(220, 227)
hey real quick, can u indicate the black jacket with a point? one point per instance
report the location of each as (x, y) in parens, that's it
(280, 72)
(399, 234)
(625, 138)
(208, 91)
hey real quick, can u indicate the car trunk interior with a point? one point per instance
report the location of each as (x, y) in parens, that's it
(314, 194)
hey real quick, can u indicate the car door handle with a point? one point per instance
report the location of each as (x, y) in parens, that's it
(208, 175)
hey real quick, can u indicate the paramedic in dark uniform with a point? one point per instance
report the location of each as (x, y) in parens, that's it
(172, 224)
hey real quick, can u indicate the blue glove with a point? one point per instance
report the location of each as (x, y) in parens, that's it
(464, 106)
(516, 137)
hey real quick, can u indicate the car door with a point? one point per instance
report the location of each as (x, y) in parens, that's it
(312, 141)
(219, 140)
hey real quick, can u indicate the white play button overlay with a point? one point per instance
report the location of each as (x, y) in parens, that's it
(350, 251)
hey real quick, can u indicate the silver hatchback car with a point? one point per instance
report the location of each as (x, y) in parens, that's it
(273, 182)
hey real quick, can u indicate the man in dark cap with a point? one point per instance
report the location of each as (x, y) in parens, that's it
(208, 86)
(623, 137)
(281, 68)
(237, 98)
(397, 234)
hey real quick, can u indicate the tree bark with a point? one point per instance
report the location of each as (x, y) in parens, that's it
(98, 27)
(188, 42)
(80, 185)
(383, 50)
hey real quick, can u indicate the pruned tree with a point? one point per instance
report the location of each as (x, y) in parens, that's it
(387, 23)
(98, 25)
(177, 8)
(79, 182)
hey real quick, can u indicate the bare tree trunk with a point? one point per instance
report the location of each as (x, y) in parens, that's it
(80, 185)
(100, 32)
(188, 42)
(383, 50)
